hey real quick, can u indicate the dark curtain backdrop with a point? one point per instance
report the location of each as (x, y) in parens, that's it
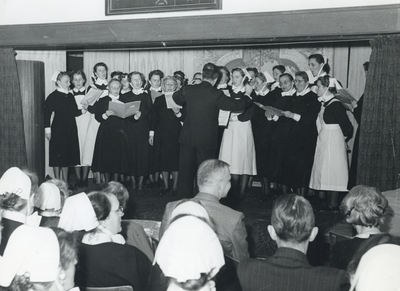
(379, 150)
(12, 138)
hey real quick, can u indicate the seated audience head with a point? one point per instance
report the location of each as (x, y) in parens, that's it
(376, 264)
(301, 81)
(155, 78)
(210, 73)
(213, 177)
(286, 82)
(169, 84)
(78, 214)
(277, 71)
(15, 192)
(100, 71)
(317, 65)
(292, 222)
(137, 80)
(108, 211)
(190, 254)
(364, 206)
(68, 257)
(323, 86)
(31, 260)
(50, 199)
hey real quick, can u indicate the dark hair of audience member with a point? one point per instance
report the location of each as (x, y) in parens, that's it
(292, 218)
(23, 283)
(210, 71)
(101, 205)
(141, 77)
(303, 75)
(280, 68)
(320, 60)
(287, 75)
(373, 241)
(157, 73)
(325, 81)
(12, 202)
(115, 188)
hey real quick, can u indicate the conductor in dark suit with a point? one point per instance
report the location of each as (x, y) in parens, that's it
(199, 135)
(288, 269)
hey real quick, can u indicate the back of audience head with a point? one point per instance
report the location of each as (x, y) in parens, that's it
(293, 219)
(213, 175)
(364, 206)
(115, 188)
(376, 264)
(50, 198)
(15, 191)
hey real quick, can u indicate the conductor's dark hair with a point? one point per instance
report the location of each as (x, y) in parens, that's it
(137, 73)
(80, 73)
(100, 204)
(101, 64)
(303, 75)
(292, 218)
(320, 60)
(157, 73)
(210, 71)
(280, 68)
(287, 75)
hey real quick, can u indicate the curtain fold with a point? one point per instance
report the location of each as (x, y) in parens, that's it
(379, 150)
(12, 138)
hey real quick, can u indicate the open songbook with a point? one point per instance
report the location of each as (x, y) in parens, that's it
(270, 110)
(348, 99)
(92, 96)
(124, 110)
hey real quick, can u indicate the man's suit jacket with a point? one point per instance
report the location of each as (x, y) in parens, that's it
(229, 224)
(203, 103)
(288, 269)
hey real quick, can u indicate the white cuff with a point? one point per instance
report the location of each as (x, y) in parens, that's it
(275, 118)
(297, 117)
(179, 114)
(47, 130)
(234, 118)
(151, 133)
(105, 116)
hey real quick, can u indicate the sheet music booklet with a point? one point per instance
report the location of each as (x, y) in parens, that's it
(124, 110)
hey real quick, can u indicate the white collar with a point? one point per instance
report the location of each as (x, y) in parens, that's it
(113, 97)
(137, 91)
(326, 97)
(238, 89)
(102, 235)
(289, 93)
(13, 215)
(222, 86)
(155, 89)
(101, 82)
(79, 90)
(304, 92)
(62, 90)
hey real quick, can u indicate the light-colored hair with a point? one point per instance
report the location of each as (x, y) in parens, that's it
(365, 206)
(292, 218)
(210, 172)
(169, 78)
(119, 191)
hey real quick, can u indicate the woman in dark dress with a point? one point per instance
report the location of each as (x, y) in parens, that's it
(112, 152)
(62, 133)
(165, 129)
(139, 127)
(301, 116)
(281, 128)
(262, 129)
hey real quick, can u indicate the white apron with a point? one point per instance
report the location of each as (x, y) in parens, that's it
(82, 123)
(237, 148)
(330, 170)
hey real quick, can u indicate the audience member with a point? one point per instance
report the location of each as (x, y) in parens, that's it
(190, 254)
(213, 178)
(292, 227)
(365, 208)
(199, 136)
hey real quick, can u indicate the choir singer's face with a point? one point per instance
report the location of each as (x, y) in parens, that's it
(300, 84)
(276, 73)
(78, 81)
(136, 82)
(101, 72)
(114, 88)
(259, 84)
(285, 83)
(314, 66)
(237, 78)
(64, 82)
(155, 81)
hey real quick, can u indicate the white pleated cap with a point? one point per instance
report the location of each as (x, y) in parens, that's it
(17, 182)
